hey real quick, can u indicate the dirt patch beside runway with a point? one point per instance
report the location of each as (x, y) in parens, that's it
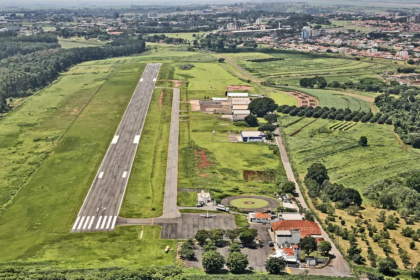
(160, 99)
(239, 87)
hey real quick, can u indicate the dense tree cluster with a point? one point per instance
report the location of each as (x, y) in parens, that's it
(13, 44)
(396, 193)
(315, 82)
(262, 106)
(334, 114)
(316, 181)
(405, 112)
(22, 75)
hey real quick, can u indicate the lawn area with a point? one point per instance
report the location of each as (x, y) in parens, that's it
(347, 163)
(187, 199)
(68, 126)
(335, 99)
(282, 98)
(207, 78)
(249, 203)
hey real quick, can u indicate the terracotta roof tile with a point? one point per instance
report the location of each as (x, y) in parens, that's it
(306, 227)
(262, 215)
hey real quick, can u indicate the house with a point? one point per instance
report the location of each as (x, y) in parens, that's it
(291, 255)
(259, 217)
(291, 231)
(253, 136)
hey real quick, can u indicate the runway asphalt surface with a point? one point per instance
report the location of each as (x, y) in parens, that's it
(103, 202)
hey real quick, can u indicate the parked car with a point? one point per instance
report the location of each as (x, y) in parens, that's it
(199, 205)
(271, 243)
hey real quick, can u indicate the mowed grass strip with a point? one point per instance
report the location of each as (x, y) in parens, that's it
(145, 189)
(36, 228)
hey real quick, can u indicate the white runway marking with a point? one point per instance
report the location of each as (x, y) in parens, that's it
(154, 79)
(136, 139)
(115, 139)
(109, 222)
(141, 80)
(103, 222)
(113, 222)
(75, 224)
(81, 223)
(91, 222)
(124, 174)
(101, 175)
(86, 223)
(99, 222)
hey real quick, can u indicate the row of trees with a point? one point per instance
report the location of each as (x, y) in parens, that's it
(405, 112)
(12, 44)
(21, 75)
(335, 114)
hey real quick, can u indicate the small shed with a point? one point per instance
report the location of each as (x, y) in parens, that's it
(237, 94)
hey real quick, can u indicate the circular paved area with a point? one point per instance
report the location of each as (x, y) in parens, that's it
(270, 203)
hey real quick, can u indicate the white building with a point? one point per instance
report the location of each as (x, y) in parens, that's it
(291, 255)
(253, 136)
(290, 217)
(237, 94)
(241, 112)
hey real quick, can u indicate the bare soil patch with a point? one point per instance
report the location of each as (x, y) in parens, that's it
(177, 83)
(250, 175)
(160, 99)
(238, 87)
(303, 98)
(204, 161)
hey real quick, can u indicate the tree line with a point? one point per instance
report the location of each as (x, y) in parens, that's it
(22, 75)
(335, 114)
(12, 44)
(405, 112)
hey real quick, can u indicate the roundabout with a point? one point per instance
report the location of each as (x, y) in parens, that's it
(252, 203)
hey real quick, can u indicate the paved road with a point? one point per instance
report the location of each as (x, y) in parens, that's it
(337, 266)
(103, 202)
(170, 208)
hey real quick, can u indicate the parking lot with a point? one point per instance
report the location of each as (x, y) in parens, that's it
(188, 225)
(257, 256)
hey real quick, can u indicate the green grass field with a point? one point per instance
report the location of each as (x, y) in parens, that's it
(282, 98)
(187, 199)
(80, 113)
(347, 162)
(249, 203)
(334, 99)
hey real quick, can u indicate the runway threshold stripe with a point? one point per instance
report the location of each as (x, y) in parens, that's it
(91, 222)
(115, 139)
(81, 222)
(124, 174)
(113, 222)
(99, 222)
(136, 139)
(101, 175)
(75, 223)
(109, 222)
(103, 222)
(86, 223)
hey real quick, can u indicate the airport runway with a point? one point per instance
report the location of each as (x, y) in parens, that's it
(103, 202)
